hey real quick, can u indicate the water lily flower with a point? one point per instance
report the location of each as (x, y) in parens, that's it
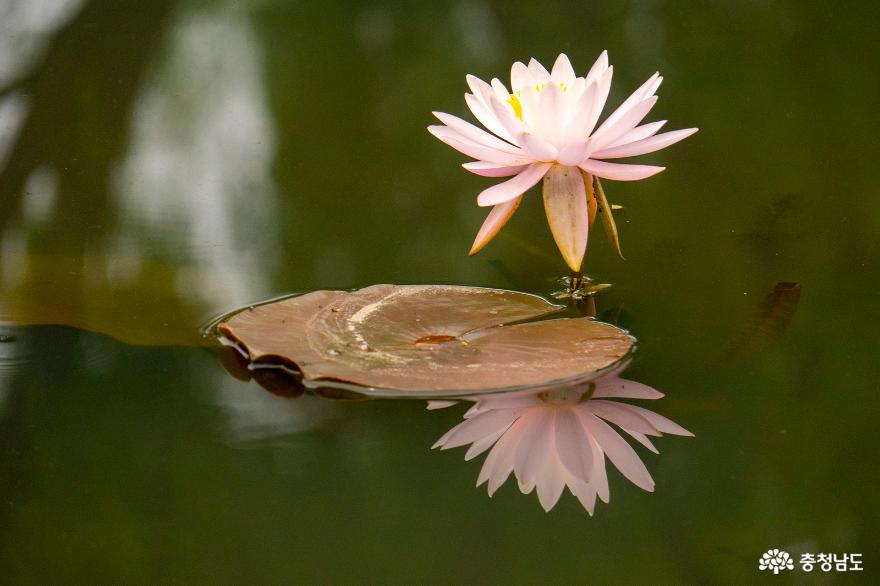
(545, 127)
(558, 438)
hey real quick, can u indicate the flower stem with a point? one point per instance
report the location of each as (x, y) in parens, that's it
(577, 279)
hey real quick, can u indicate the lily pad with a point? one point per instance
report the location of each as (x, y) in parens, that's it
(422, 340)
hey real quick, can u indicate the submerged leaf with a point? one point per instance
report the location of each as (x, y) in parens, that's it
(427, 339)
(608, 218)
(769, 320)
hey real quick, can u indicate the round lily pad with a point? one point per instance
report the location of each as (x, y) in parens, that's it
(438, 340)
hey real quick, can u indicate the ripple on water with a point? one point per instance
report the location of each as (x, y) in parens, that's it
(14, 351)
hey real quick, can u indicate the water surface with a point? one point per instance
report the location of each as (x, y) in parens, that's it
(164, 162)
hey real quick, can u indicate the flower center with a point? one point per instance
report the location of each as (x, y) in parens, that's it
(570, 396)
(517, 105)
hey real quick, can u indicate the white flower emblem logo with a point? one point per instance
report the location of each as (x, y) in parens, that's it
(775, 560)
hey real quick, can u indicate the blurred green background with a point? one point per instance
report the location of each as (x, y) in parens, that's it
(163, 162)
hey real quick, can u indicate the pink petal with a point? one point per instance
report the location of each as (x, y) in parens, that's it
(651, 89)
(598, 67)
(619, 171)
(562, 71)
(644, 146)
(449, 132)
(513, 188)
(608, 133)
(521, 77)
(486, 169)
(579, 127)
(484, 93)
(483, 444)
(565, 204)
(661, 423)
(440, 442)
(496, 462)
(639, 132)
(619, 388)
(526, 487)
(500, 89)
(475, 150)
(576, 89)
(586, 494)
(477, 135)
(477, 85)
(539, 72)
(507, 400)
(604, 88)
(487, 118)
(491, 461)
(530, 104)
(493, 223)
(506, 117)
(573, 153)
(553, 114)
(619, 452)
(621, 415)
(534, 447)
(642, 439)
(549, 484)
(480, 426)
(573, 445)
(598, 477)
(506, 449)
(628, 104)
(440, 404)
(538, 148)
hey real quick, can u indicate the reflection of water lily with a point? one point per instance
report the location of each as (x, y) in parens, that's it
(545, 127)
(560, 438)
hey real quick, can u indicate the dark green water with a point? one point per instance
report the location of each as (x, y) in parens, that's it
(163, 162)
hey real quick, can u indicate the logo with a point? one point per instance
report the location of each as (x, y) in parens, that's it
(775, 560)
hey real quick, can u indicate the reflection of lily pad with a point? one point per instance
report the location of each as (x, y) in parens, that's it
(426, 339)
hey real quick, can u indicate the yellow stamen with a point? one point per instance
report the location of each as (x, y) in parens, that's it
(517, 107)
